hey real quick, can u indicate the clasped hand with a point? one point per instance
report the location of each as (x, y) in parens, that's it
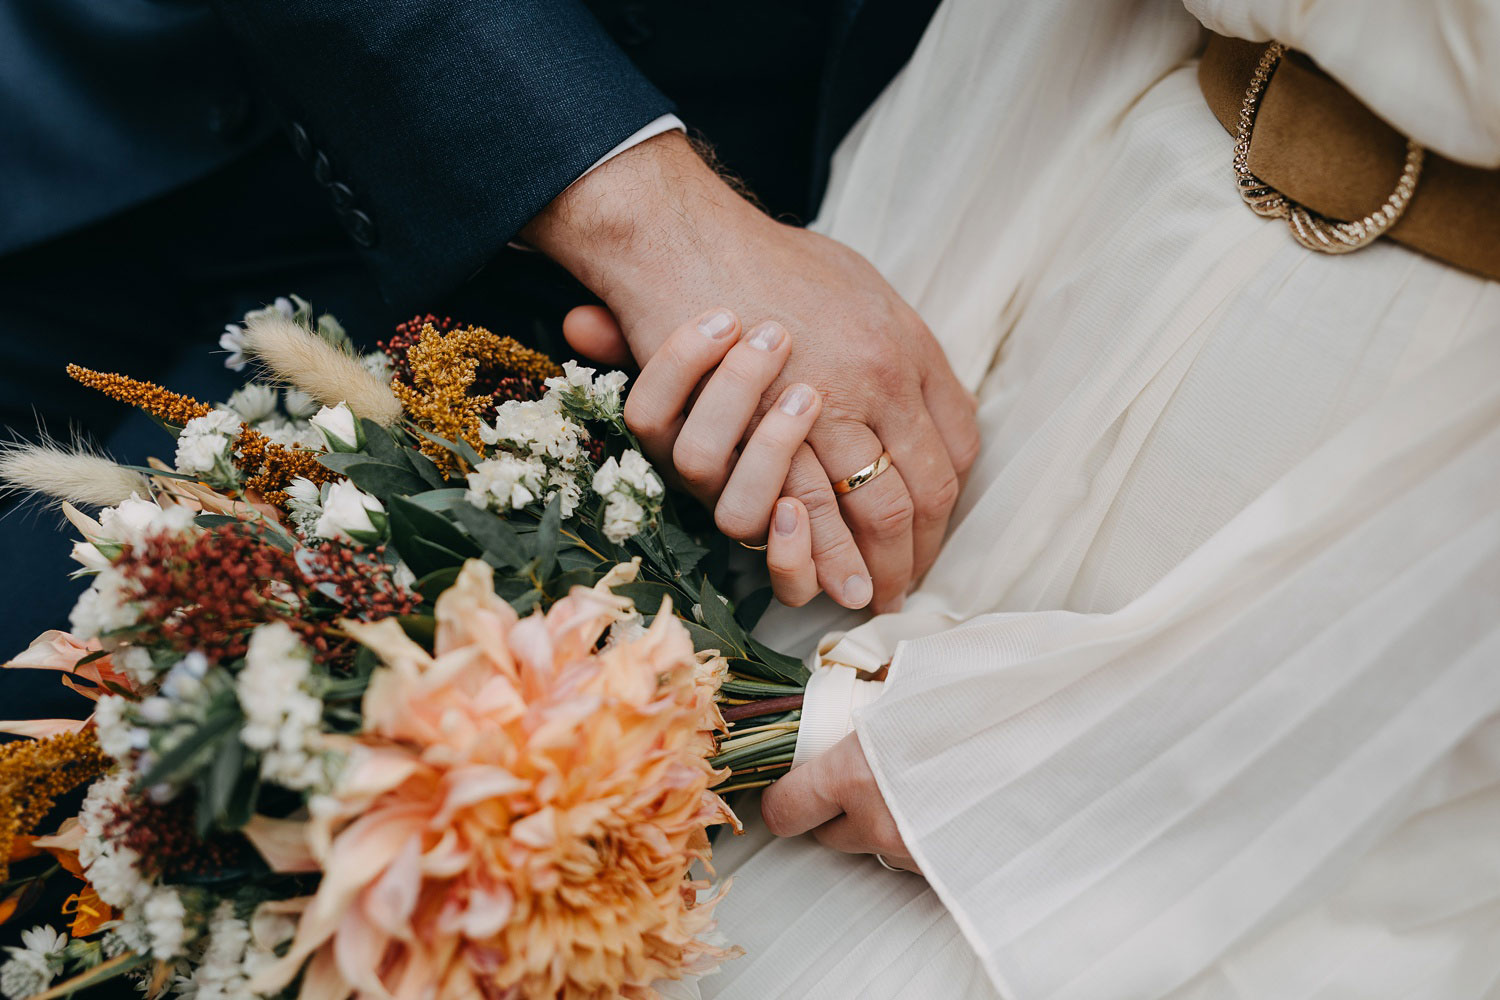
(774, 363)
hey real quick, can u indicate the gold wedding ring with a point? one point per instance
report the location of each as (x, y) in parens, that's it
(863, 476)
(754, 548)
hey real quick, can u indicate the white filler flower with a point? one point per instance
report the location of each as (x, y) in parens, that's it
(204, 446)
(282, 719)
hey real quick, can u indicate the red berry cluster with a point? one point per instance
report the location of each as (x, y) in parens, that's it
(163, 835)
(359, 580)
(206, 591)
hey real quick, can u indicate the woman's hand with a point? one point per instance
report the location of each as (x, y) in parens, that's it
(692, 407)
(836, 797)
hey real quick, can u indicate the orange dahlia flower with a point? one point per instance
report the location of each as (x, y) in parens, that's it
(517, 817)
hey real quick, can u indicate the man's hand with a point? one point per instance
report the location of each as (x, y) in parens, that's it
(662, 239)
(837, 799)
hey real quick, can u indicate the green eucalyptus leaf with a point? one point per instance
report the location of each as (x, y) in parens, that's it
(216, 791)
(548, 536)
(242, 801)
(527, 601)
(462, 449)
(380, 446)
(421, 629)
(718, 617)
(440, 500)
(194, 750)
(339, 461)
(382, 481)
(573, 557)
(433, 527)
(781, 665)
(426, 468)
(646, 595)
(749, 610)
(494, 534)
(426, 557)
(434, 583)
(685, 550)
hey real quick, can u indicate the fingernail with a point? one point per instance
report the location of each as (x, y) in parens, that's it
(857, 590)
(786, 518)
(796, 400)
(716, 323)
(767, 336)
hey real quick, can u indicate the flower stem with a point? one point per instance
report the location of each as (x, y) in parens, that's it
(769, 706)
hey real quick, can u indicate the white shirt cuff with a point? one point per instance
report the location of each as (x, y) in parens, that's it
(666, 123)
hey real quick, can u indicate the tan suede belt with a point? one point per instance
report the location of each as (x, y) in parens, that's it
(1313, 144)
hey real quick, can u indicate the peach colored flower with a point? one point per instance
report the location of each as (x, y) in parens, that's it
(517, 817)
(61, 651)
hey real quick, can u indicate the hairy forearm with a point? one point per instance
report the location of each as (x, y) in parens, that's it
(651, 223)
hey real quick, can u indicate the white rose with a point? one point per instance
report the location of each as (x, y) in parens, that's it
(339, 428)
(349, 514)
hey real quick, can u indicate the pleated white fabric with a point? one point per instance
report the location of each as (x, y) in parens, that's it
(1202, 699)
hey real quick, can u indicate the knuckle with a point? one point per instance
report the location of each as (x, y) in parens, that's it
(892, 519)
(967, 451)
(792, 594)
(641, 418)
(737, 373)
(939, 499)
(822, 510)
(694, 462)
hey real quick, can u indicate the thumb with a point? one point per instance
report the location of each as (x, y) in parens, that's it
(594, 333)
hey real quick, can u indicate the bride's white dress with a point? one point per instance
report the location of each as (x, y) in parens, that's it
(1201, 699)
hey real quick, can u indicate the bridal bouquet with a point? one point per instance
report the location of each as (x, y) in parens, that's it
(409, 680)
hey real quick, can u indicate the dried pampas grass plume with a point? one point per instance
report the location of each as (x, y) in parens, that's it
(297, 356)
(70, 474)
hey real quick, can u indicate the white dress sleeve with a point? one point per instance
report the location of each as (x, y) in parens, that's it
(1429, 67)
(1109, 803)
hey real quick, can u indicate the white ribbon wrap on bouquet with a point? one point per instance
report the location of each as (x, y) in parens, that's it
(836, 691)
(833, 695)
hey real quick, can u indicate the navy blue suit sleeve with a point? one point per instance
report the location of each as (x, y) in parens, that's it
(441, 128)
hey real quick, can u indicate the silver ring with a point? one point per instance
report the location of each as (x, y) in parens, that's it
(886, 864)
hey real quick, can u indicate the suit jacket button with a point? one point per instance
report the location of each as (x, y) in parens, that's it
(300, 142)
(361, 228)
(322, 169)
(341, 193)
